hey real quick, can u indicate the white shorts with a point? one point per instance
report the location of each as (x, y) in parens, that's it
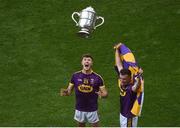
(128, 122)
(82, 117)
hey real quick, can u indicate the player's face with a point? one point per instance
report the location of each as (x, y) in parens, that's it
(125, 79)
(87, 63)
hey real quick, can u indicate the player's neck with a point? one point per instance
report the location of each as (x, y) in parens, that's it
(87, 71)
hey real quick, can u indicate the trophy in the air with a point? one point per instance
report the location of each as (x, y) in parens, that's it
(87, 21)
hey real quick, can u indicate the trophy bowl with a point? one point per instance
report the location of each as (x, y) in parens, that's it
(87, 21)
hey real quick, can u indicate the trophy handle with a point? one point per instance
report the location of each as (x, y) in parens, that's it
(99, 17)
(74, 18)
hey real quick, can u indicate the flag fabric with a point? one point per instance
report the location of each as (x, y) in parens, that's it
(129, 62)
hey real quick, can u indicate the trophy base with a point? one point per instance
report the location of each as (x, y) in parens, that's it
(83, 34)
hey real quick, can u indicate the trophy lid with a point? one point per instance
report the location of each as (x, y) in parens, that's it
(89, 9)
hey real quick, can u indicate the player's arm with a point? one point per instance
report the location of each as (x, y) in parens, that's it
(102, 89)
(118, 60)
(141, 71)
(67, 91)
(117, 45)
(102, 92)
(136, 84)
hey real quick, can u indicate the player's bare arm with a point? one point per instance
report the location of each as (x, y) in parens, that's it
(66, 92)
(102, 92)
(117, 45)
(118, 60)
(136, 84)
(140, 70)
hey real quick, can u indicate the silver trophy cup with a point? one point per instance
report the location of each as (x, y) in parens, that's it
(87, 21)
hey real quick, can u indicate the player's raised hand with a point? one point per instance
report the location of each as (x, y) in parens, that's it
(117, 45)
(64, 92)
(136, 84)
(141, 71)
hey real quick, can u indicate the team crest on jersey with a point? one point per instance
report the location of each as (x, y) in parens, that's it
(80, 80)
(92, 81)
(85, 88)
(122, 92)
(85, 81)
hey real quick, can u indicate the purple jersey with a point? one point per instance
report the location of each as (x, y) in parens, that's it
(85, 86)
(127, 99)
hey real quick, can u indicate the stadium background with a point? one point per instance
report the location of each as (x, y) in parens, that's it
(39, 51)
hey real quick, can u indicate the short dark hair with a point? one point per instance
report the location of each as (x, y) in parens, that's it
(87, 55)
(125, 72)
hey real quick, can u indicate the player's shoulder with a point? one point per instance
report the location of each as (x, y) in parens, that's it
(98, 75)
(77, 73)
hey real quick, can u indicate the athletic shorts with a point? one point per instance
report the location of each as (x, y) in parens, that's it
(128, 122)
(82, 117)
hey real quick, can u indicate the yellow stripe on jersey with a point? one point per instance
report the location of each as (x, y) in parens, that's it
(119, 83)
(77, 71)
(122, 92)
(71, 84)
(99, 76)
(103, 86)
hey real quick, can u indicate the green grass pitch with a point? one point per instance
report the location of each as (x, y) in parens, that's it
(39, 50)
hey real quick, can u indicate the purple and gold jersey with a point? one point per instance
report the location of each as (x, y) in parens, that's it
(127, 99)
(85, 86)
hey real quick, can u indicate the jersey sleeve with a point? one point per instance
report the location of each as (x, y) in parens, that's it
(101, 82)
(71, 83)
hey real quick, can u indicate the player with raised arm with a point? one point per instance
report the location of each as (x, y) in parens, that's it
(131, 85)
